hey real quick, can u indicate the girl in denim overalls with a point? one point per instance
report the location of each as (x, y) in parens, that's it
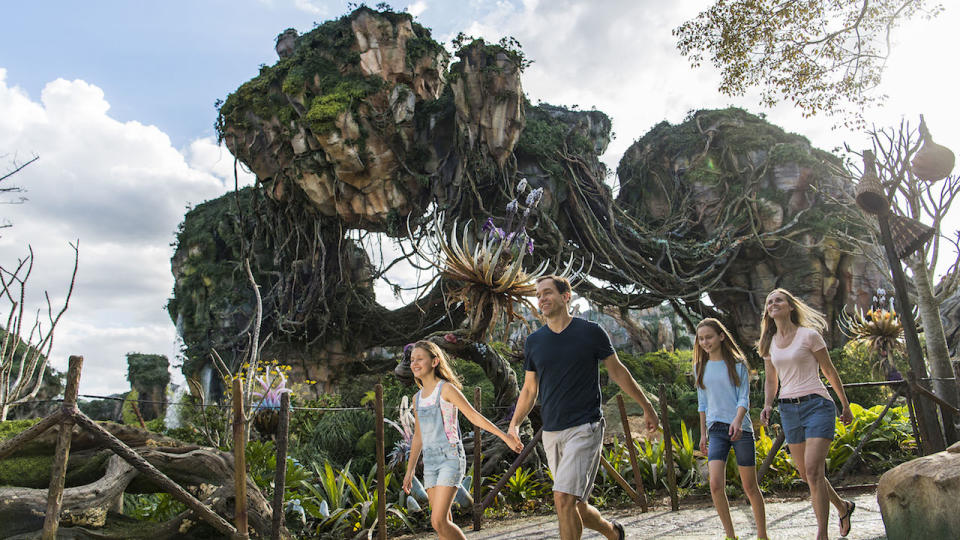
(437, 434)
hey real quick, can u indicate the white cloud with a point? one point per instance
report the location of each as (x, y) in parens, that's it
(121, 188)
(417, 8)
(310, 6)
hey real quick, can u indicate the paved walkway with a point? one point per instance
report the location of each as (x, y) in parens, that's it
(786, 519)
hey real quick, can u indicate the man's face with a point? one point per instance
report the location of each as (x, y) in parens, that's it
(550, 301)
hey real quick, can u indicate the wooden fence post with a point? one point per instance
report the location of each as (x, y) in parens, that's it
(767, 461)
(477, 465)
(239, 462)
(628, 436)
(620, 479)
(280, 479)
(668, 446)
(58, 472)
(381, 464)
(852, 460)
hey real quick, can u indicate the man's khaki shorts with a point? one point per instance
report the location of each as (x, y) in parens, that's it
(573, 455)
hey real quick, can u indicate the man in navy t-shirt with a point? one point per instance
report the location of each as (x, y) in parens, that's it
(562, 365)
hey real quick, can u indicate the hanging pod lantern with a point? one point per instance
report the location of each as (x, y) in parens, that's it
(933, 162)
(909, 235)
(870, 195)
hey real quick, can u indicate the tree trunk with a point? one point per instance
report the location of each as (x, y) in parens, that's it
(87, 510)
(938, 354)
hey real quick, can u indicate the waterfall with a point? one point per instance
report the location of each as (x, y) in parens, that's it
(172, 417)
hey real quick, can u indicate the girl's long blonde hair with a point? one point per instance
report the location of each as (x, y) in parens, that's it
(732, 355)
(800, 315)
(443, 369)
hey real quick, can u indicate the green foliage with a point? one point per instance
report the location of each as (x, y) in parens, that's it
(522, 486)
(127, 413)
(890, 444)
(823, 56)
(147, 370)
(326, 107)
(855, 364)
(335, 437)
(156, 507)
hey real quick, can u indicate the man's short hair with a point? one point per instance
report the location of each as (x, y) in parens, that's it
(561, 283)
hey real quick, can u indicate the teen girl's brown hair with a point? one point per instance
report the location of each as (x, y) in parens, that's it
(443, 369)
(732, 355)
(800, 315)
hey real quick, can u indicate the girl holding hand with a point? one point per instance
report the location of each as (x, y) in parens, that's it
(437, 434)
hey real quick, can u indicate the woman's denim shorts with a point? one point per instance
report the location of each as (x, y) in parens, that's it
(719, 444)
(443, 466)
(813, 417)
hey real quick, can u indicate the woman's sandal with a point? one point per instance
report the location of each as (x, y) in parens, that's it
(851, 506)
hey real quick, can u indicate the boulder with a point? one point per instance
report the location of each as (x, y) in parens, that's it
(918, 499)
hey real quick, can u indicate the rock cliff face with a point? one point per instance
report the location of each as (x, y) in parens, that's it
(728, 173)
(362, 126)
(335, 117)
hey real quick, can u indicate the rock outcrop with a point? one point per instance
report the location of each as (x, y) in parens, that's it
(730, 175)
(335, 116)
(918, 499)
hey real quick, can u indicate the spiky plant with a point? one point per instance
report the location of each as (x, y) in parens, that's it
(487, 265)
(879, 330)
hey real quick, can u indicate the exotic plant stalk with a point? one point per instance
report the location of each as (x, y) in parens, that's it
(879, 329)
(488, 268)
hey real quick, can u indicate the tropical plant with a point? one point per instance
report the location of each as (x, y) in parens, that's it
(879, 330)
(890, 443)
(522, 486)
(157, 507)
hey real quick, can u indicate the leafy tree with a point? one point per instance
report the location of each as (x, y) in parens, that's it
(823, 55)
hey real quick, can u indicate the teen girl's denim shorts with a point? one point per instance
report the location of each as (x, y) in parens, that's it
(808, 417)
(719, 444)
(443, 466)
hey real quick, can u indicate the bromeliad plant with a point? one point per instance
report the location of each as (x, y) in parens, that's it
(487, 264)
(879, 329)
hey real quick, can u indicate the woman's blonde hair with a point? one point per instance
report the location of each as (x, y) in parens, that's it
(443, 369)
(800, 315)
(732, 355)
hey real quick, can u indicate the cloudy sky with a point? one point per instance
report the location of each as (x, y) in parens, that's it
(117, 99)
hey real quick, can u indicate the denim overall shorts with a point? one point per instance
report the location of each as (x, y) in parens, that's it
(444, 463)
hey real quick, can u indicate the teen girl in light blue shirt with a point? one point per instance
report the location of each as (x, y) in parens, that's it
(723, 396)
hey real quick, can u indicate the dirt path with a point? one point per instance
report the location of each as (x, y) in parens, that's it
(786, 519)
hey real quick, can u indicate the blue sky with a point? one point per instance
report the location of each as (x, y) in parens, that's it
(117, 99)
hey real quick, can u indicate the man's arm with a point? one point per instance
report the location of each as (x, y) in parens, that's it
(528, 396)
(624, 379)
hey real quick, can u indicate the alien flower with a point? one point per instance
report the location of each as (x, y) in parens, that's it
(270, 397)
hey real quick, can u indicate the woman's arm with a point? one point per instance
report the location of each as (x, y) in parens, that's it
(743, 402)
(703, 432)
(416, 445)
(830, 372)
(770, 386)
(453, 395)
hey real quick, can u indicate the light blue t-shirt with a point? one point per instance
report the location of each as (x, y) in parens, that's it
(721, 398)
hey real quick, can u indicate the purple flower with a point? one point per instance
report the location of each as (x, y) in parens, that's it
(512, 206)
(407, 348)
(533, 198)
(270, 397)
(488, 225)
(510, 238)
(530, 246)
(497, 233)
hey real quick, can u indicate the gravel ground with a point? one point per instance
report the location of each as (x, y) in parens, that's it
(786, 519)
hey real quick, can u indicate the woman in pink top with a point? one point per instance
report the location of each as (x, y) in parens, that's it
(794, 354)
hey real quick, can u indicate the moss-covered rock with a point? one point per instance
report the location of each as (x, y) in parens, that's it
(744, 193)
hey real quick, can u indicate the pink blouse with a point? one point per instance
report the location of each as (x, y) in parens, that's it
(797, 368)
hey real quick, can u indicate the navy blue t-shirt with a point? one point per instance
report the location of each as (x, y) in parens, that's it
(568, 372)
